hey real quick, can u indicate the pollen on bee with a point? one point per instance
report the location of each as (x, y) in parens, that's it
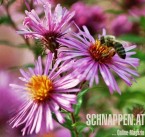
(39, 87)
(101, 52)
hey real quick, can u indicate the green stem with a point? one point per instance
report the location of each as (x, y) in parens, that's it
(74, 121)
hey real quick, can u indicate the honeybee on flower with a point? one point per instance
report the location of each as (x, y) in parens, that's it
(96, 56)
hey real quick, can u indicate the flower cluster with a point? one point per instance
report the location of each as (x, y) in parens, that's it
(94, 19)
(73, 57)
(128, 22)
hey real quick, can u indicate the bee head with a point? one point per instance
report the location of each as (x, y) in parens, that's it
(102, 39)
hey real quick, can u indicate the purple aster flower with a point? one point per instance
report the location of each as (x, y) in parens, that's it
(45, 91)
(82, 16)
(53, 26)
(91, 57)
(94, 19)
(137, 12)
(125, 25)
(121, 25)
(97, 20)
(9, 102)
(6, 94)
(44, 1)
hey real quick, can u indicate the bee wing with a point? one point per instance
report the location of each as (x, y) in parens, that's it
(103, 33)
(124, 43)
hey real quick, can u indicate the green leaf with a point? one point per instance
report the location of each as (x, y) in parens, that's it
(5, 20)
(38, 48)
(67, 124)
(139, 85)
(81, 126)
(127, 99)
(132, 38)
(73, 134)
(142, 21)
(78, 106)
(79, 101)
(114, 11)
(82, 93)
(107, 132)
(139, 54)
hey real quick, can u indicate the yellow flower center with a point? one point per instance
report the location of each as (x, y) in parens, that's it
(40, 87)
(100, 52)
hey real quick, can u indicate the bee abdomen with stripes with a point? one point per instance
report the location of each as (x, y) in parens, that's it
(120, 50)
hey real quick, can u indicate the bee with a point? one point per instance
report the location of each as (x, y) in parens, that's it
(110, 41)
